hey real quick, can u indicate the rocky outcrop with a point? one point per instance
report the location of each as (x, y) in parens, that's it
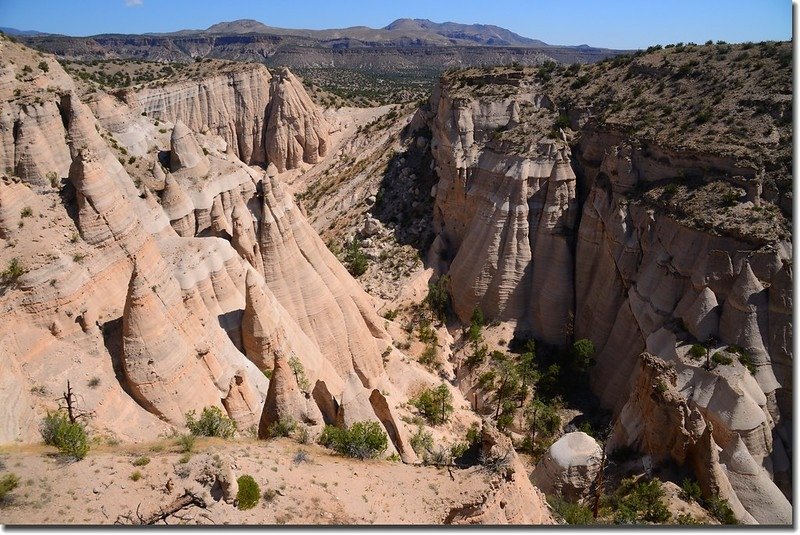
(38, 143)
(161, 365)
(744, 321)
(754, 487)
(675, 413)
(296, 131)
(161, 370)
(17, 416)
(133, 131)
(267, 328)
(317, 291)
(638, 273)
(570, 466)
(178, 207)
(262, 118)
(657, 419)
(511, 498)
(185, 152)
(162, 294)
(504, 219)
(285, 401)
(243, 236)
(231, 105)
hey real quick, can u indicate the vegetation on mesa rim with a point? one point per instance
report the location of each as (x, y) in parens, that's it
(731, 102)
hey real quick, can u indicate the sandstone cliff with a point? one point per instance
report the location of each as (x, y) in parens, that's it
(175, 291)
(504, 220)
(262, 118)
(295, 130)
(570, 225)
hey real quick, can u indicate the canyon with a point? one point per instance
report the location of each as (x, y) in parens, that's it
(190, 244)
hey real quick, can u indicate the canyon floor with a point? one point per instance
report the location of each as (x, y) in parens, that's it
(306, 485)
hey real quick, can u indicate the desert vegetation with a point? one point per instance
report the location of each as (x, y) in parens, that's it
(362, 440)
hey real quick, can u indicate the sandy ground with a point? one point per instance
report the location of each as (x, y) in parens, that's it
(324, 489)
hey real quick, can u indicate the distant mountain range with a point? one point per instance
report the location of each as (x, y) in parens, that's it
(421, 32)
(403, 44)
(15, 32)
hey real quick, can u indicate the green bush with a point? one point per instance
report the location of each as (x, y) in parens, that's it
(421, 441)
(434, 404)
(685, 519)
(212, 423)
(721, 358)
(299, 373)
(573, 513)
(542, 418)
(249, 492)
(561, 122)
(355, 259)
(744, 358)
(731, 198)
(477, 356)
(721, 510)
(136, 475)
(186, 442)
(697, 351)
(69, 438)
(691, 490)
(430, 356)
(12, 272)
(141, 461)
(640, 502)
(282, 428)
(438, 298)
(8, 483)
(582, 355)
(476, 324)
(363, 440)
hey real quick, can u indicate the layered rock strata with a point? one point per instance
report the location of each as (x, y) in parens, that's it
(295, 130)
(553, 233)
(503, 220)
(230, 105)
(262, 118)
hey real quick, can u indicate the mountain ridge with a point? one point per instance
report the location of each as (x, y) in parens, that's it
(402, 44)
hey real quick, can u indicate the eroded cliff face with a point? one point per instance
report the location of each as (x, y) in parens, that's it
(177, 289)
(576, 235)
(231, 105)
(263, 118)
(504, 221)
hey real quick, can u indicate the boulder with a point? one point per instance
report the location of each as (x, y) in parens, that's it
(569, 467)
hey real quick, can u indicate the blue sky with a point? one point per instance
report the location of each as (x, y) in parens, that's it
(611, 23)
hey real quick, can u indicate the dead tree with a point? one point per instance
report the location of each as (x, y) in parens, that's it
(599, 480)
(69, 400)
(188, 499)
(598, 483)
